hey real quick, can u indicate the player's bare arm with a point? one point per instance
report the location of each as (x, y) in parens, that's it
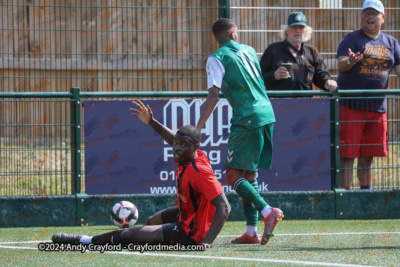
(145, 114)
(209, 105)
(346, 63)
(222, 210)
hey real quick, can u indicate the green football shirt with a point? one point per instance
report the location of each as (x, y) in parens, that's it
(243, 86)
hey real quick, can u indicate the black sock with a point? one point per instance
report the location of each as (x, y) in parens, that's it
(111, 238)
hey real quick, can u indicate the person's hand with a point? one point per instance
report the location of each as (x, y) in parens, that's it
(354, 57)
(144, 113)
(330, 85)
(281, 73)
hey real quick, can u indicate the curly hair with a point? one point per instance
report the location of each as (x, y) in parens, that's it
(191, 132)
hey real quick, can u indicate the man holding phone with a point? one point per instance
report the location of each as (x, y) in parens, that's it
(293, 65)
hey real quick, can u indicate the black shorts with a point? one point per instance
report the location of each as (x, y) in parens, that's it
(172, 229)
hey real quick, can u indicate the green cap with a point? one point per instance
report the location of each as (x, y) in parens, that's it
(297, 18)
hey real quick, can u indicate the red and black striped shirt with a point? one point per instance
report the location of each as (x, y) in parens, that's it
(196, 188)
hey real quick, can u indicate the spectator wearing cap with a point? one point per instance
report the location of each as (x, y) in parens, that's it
(365, 58)
(307, 66)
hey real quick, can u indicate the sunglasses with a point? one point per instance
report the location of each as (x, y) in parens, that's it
(370, 14)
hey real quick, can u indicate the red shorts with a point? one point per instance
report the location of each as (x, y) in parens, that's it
(363, 133)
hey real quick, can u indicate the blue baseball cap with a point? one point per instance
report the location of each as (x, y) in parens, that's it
(375, 4)
(297, 18)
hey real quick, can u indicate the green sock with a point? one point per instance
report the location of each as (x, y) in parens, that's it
(248, 193)
(249, 211)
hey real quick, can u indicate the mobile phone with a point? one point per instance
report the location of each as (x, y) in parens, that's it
(288, 66)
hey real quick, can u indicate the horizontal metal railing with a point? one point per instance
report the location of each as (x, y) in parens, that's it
(192, 94)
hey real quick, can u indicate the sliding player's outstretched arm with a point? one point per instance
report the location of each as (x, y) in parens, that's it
(145, 114)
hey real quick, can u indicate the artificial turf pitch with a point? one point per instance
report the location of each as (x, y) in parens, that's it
(296, 243)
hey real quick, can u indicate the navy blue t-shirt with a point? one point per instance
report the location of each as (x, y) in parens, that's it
(372, 72)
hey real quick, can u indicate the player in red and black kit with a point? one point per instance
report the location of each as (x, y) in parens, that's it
(202, 205)
(196, 184)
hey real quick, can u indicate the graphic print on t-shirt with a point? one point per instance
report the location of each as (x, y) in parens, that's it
(375, 62)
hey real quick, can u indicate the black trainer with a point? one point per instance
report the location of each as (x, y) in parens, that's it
(63, 238)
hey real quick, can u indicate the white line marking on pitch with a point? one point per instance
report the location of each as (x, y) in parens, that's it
(355, 233)
(13, 247)
(211, 257)
(24, 242)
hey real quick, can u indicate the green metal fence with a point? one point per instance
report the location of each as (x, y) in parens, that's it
(35, 145)
(42, 140)
(112, 48)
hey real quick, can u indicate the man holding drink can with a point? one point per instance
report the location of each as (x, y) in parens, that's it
(292, 64)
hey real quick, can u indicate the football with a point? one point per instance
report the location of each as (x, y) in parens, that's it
(124, 214)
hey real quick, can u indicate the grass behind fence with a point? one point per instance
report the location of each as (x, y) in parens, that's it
(385, 171)
(36, 171)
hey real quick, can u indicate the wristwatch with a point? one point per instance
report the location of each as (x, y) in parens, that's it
(349, 63)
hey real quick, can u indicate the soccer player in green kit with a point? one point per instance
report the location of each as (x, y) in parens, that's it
(234, 69)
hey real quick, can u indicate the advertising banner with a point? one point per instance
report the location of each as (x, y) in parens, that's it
(125, 156)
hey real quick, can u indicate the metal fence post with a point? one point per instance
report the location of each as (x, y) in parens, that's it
(76, 168)
(335, 155)
(224, 7)
(340, 194)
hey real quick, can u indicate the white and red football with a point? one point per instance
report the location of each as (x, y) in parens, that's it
(124, 214)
